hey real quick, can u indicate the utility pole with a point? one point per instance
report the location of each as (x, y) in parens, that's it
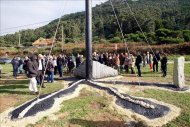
(88, 7)
(19, 40)
(62, 40)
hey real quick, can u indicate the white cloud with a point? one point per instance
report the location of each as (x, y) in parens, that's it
(15, 13)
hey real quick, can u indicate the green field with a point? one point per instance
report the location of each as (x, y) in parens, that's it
(81, 111)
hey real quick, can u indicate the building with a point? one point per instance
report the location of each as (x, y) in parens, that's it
(41, 42)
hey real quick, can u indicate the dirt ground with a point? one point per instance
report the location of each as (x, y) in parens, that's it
(7, 101)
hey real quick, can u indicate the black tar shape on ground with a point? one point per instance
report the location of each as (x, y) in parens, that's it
(157, 112)
(166, 86)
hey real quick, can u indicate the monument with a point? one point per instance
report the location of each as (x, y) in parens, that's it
(178, 72)
(98, 71)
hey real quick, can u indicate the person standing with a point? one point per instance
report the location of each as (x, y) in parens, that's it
(126, 62)
(138, 64)
(20, 68)
(70, 64)
(41, 69)
(32, 74)
(132, 63)
(25, 66)
(144, 59)
(60, 64)
(15, 64)
(164, 61)
(117, 63)
(78, 60)
(50, 70)
(156, 60)
(55, 64)
(150, 61)
(1, 68)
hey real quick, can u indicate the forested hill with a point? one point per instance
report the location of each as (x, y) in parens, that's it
(151, 14)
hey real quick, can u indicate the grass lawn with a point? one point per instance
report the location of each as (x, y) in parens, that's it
(148, 75)
(91, 109)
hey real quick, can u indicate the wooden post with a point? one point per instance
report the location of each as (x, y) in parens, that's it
(62, 40)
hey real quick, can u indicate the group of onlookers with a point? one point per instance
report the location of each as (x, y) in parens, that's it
(128, 61)
(36, 67)
(44, 67)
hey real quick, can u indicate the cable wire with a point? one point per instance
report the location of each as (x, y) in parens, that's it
(126, 47)
(146, 39)
(54, 38)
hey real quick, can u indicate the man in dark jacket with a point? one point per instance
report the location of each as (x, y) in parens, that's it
(78, 60)
(164, 61)
(156, 59)
(33, 72)
(15, 64)
(138, 63)
(60, 63)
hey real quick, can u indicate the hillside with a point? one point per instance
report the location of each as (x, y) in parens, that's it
(151, 14)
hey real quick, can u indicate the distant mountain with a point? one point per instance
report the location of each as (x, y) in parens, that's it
(151, 14)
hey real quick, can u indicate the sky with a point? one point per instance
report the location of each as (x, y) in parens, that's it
(16, 15)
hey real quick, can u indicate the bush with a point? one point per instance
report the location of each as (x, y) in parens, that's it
(186, 35)
(27, 44)
(163, 32)
(115, 40)
(69, 40)
(151, 37)
(170, 40)
(96, 38)
(75, 51)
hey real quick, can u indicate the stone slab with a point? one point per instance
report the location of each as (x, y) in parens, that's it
(178, 72)
(98, 71)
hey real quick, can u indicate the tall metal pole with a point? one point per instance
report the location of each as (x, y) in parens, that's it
(88, 39)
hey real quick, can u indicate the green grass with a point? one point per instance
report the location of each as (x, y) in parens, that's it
(80, 110)
(148, 75)
(181, 100)
(19, 90)
(172, 57)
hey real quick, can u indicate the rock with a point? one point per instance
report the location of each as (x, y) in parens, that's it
(178, 72)
(98, 71)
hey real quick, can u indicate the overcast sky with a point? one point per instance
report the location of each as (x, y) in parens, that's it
(16, 13)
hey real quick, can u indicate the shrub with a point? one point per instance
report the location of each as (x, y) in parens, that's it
(27, 44)
(69, 40)
(96, 38)
(186, 35)
(115, 40)
(78, 50)
(170, 40)
(163, 32)
(176, 34)
(151, 37)
(103, 41)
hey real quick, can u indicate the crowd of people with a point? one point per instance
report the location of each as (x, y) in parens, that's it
(43, 67)
(40, 67)
(126, 62)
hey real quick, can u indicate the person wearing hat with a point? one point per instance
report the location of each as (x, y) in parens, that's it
(32, 74)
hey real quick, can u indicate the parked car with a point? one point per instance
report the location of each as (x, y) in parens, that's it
(4, 60)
